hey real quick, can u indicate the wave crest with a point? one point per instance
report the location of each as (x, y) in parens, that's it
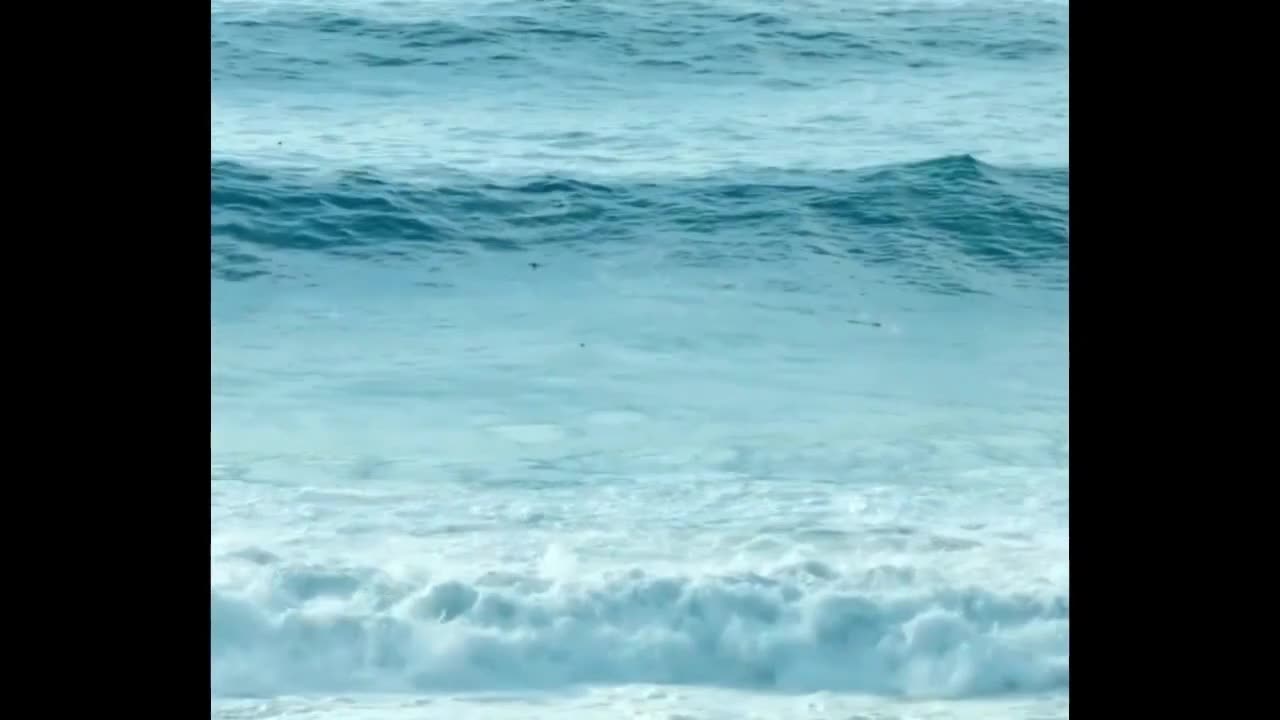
(303, 630)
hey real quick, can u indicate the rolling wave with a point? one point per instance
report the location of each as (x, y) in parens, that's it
(303, 629)
(584, 38)
(931, 221)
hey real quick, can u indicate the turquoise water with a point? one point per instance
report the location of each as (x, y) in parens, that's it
(668, 359)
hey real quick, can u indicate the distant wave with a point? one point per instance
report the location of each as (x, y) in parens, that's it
(930, 217)
(303, 629)
(699, 38)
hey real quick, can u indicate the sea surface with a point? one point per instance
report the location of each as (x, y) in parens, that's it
(688, 359)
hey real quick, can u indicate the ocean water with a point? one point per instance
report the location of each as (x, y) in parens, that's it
(672, 359)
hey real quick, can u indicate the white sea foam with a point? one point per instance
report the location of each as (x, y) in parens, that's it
(297, 629)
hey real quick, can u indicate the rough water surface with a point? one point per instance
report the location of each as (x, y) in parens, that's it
(678, 359)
